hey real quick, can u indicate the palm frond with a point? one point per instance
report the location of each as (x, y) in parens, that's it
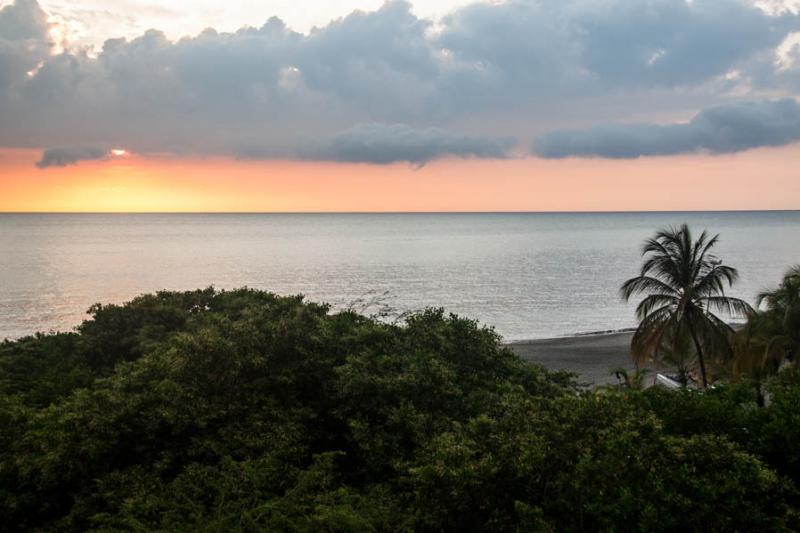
(733, 307)
(645, 285)
(713, 280)
(655, 301)
(707, 247)
(699, 248)
(660, 261)
(715, 334)
(648, 335)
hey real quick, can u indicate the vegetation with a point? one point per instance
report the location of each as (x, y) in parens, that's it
(245, 411)
(771, 338)
(684, 286)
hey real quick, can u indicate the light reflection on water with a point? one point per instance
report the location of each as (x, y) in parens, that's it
(529, 274)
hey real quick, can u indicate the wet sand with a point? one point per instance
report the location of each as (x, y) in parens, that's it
(589, 356)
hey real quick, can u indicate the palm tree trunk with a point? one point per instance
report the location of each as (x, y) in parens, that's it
(699, 354)
(760, 400)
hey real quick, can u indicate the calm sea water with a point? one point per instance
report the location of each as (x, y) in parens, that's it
(529, 275)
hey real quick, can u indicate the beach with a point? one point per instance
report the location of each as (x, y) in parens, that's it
(589, 356)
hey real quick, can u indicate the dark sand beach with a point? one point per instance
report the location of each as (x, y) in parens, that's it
(589, 356)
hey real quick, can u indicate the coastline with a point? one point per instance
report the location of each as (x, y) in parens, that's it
(589, 355)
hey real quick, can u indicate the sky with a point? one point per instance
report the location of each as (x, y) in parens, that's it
(517, 105)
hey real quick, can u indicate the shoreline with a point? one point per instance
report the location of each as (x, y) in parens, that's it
(589, 355)
(597, 333)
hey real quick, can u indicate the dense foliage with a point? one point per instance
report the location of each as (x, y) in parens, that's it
(247, 411)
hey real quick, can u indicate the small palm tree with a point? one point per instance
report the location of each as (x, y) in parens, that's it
(627, 380)
(772, 336)
(677, 351)
(683, 284)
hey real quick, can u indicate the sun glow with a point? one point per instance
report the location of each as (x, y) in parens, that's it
(136, 183)
(119, 152)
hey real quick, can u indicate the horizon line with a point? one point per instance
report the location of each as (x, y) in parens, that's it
(487, 212)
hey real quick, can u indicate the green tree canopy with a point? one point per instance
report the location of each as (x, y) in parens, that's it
(245, 411)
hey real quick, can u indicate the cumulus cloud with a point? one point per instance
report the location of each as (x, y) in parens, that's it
(24, 40)
(722, 129)
(453, 83)
(24, 19)
(61, 157)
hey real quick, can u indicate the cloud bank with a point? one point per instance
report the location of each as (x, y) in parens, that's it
(61, 157)
(383, 144)
(387, 86)
(718, 130)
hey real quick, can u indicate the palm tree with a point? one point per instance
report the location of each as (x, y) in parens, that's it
(683, 284)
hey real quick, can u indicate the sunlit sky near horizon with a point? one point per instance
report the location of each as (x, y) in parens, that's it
(446, 105)
(91, 22)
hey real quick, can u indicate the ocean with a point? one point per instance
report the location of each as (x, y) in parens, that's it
(529, 275)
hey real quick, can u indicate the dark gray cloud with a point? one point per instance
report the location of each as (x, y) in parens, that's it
(673, 43)
(270, 87)
(383, 144)
(722, 129)
(61, 157)
(23, 20)
(24, 40)
(510, 53)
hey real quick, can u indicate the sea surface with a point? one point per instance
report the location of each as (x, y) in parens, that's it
(530, 275)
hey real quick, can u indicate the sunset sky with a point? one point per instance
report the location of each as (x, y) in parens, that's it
(426, 106)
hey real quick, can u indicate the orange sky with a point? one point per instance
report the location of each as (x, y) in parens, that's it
(758, 179)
